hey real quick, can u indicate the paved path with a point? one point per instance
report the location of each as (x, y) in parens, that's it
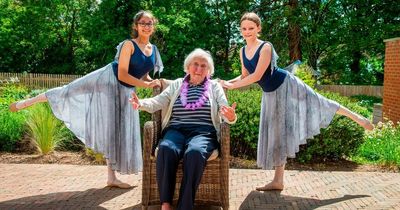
(31, 186)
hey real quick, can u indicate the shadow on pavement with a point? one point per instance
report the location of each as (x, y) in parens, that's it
(89, 199)
(274, 200)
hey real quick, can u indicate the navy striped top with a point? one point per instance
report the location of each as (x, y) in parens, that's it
(200, 116)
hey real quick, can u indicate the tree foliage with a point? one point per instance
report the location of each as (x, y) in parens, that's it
(342, 39)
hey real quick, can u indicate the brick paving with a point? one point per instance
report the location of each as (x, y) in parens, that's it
(31, 186)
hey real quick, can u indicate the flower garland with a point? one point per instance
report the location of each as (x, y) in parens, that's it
(199, 102)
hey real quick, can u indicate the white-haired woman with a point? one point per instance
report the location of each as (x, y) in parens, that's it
(195, 105)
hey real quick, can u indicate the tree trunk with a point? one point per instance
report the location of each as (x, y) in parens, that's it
(355, 64)
(294, 33)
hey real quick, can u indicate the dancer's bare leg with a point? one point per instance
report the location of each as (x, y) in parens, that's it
(362, 121)
(166, 206)
(277, 182)
(112, 180)
(16, 106)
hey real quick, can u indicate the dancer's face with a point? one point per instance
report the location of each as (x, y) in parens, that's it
(249, 29)
(145, 26)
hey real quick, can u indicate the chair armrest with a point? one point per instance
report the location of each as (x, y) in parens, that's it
(225, 141)
(224, 164)
(148, 138)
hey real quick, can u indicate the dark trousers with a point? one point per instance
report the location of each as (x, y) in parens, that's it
(192, 143)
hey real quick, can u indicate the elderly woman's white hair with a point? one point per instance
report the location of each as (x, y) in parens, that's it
(202, 54)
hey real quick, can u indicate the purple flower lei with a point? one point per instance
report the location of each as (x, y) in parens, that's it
(199, 102)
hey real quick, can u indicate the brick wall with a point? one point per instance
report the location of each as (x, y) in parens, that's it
(391, 83)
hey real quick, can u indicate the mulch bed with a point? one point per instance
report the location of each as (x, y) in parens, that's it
(81, 158)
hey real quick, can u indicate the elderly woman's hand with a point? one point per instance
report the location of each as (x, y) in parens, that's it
(228, 112)
(134, 100)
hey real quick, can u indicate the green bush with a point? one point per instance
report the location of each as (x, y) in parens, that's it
(12, 124)
(382, 145)
(11, 129)
(244, 133)
(95, 156)
(11, 93)
(68, 141)
(304, 72)
(144, 116)
(366, 101)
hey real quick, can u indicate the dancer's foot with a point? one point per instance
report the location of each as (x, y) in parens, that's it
(366, 124)
(13, 107)
(117, 183)
(271, 186)
(18, 105)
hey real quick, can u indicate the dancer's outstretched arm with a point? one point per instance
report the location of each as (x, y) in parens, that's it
(362, 121)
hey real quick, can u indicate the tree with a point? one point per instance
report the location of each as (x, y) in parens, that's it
(294, 34)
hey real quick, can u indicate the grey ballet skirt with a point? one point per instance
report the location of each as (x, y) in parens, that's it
(96, 109)
(289, 115)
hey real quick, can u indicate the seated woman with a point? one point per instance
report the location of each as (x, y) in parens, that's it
(194, 107)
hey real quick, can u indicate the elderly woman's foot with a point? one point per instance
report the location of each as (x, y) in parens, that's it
(271, 186)
(166, 206)
(117, 183)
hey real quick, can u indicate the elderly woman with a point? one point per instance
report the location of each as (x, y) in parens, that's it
(195, 106)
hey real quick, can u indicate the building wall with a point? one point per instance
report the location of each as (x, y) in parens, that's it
(391, 83)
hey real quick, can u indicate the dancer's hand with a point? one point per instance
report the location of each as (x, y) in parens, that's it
(134, 100)
(228, 111)
(154, 83)
(226, 84)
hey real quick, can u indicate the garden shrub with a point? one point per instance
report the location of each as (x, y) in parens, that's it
(68, 141)
(304, 72)
(11, 129)
(95, 156)
(144, 116)
(12, 124)
(382, 145)
(366, 101)
(244, 133)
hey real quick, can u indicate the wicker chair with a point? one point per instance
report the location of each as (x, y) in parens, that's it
(213, 189)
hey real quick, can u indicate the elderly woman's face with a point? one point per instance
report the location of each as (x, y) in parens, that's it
(198, 70)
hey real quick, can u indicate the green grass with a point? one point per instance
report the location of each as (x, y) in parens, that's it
(44, 129)
(381, 146)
